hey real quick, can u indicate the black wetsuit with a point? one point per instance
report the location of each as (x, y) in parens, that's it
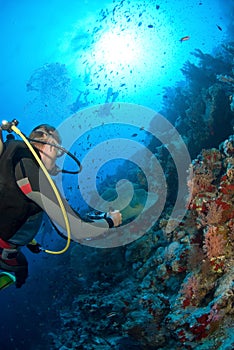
(25, 192)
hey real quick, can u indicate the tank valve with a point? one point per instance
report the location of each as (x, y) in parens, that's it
(8, 125)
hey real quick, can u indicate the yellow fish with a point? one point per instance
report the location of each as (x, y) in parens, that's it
(185, 38)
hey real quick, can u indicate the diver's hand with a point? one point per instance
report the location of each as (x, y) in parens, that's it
(34, 247)
(116, 217)
(113, 218)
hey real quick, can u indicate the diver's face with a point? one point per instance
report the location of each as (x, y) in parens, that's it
(49, 155)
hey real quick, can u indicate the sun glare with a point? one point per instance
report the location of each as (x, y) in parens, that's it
(116, 48)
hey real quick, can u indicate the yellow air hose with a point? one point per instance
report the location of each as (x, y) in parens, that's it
(56, 192)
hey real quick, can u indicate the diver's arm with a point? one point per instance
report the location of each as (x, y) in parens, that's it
(79, 229)
(36, 187)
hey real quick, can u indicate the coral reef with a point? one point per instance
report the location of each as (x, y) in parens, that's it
(162, 291)
(207, 291)
(202, 109)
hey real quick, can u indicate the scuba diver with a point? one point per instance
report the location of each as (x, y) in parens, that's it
(26, 194)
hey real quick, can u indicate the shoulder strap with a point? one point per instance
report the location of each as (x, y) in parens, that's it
(1, 142)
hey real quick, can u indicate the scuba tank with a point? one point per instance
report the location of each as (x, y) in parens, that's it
(6, 126)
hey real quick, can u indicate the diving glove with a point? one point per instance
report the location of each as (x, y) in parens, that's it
(97, 215)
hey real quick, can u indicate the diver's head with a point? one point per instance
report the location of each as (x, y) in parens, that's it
(47, 140)
(45, 132)
(43, 137)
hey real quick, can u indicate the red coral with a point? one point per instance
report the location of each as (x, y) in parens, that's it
(190, 292)
(215, 243)
(199, 331)
(227, 188)
(200, 183)
(226, 183)
(214, 214)
(182, 336)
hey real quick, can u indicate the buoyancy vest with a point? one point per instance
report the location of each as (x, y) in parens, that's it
(15, 207)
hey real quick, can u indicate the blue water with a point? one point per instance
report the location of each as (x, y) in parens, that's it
(59, 57)
(46, 32)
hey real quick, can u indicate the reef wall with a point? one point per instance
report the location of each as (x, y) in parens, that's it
(164, 291)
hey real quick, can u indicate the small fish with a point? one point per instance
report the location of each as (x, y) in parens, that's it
(219, 27)
(134, 135)
(185, 38)
(109, 94)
